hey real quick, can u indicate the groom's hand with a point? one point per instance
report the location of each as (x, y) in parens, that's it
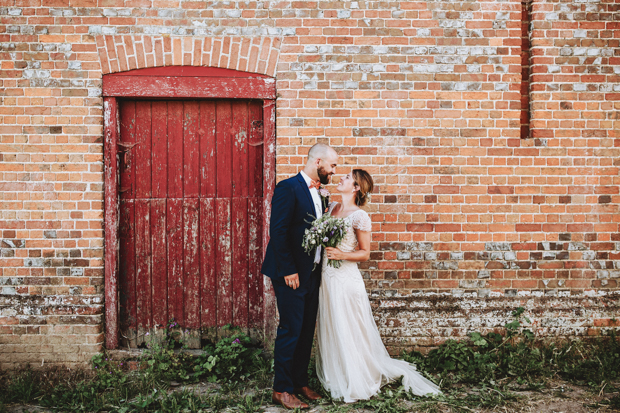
(292, 281)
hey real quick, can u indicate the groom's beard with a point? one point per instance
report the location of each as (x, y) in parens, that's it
(323, 176)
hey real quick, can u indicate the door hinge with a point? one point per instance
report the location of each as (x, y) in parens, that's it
(125, 148)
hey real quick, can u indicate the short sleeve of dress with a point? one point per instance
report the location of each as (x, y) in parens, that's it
(360, 220)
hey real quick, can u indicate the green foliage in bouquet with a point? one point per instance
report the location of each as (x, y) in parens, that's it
(326, 231)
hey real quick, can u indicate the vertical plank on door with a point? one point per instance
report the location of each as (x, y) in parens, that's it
(191, 254)
(174, 249)
(255, 278)
(160, 274)
(240, 261)
(223, 262)
(191, 149)
(239, 137)
(143, 267)
(127, 165)
(175, 212)
(208, 282)
(255, 217)
(208, 165)
(127, 271)
(255, 149)
(175, 149)
(159, 138)
(141, 153)
(224, 148)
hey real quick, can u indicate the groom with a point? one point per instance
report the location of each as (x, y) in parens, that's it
(295, 203)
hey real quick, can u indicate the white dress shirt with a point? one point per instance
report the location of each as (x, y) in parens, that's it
(318, 208)
(316, 198)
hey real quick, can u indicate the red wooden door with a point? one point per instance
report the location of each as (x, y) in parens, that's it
(190, 223)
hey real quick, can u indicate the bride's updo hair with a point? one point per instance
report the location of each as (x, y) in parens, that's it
(364, 181)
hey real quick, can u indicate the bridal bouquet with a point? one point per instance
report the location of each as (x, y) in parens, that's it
(325, 231)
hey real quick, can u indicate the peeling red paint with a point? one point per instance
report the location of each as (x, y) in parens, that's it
(111, 221)
(221, 307)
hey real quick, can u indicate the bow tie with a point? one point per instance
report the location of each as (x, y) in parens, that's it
(314, 184)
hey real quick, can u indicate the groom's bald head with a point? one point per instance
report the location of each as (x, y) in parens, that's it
(321, 151)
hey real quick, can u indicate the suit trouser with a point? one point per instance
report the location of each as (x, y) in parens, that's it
(298, 310)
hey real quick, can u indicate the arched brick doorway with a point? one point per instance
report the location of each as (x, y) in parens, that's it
(190, 166)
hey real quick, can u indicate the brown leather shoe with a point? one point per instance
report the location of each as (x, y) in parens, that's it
(308, 393)
(290, 401)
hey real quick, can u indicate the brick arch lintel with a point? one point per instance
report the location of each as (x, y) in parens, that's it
(120, 53)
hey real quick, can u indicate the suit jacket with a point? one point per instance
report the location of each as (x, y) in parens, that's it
(292, 211)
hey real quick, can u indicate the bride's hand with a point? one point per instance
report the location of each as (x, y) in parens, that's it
(334, 253)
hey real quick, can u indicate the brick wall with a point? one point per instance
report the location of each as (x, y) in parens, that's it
(493, 190)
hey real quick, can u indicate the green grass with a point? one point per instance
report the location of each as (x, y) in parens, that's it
(482, 371)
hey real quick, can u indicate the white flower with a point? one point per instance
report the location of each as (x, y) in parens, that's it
(324, 192)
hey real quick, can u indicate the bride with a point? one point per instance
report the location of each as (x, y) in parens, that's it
(352, 362)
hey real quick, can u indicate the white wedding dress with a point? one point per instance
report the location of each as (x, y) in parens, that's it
(352, 362)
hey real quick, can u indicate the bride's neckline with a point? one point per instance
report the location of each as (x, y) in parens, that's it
(338, 203)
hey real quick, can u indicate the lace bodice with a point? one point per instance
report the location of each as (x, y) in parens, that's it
(357, 220)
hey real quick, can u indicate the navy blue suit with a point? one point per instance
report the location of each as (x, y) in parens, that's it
(292, 210)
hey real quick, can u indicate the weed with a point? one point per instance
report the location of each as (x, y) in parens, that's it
(596, 364)
(232, 359)
(160, 360)
(22, 387)
(251, 403)
(387, 401)
(161, 401)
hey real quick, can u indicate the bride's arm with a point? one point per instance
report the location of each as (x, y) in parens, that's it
(361, 255)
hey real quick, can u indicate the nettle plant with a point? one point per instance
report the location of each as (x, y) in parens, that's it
(160, 359)
(232, 359)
